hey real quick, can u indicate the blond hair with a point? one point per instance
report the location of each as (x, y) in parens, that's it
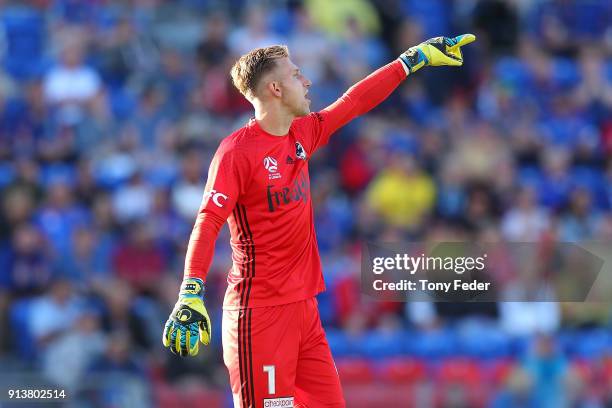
(251, 67)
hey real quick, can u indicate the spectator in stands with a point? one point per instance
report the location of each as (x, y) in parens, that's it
(548, 370)
(595, 88)
(366, 51)
(126, 53)
(18, 204)
(516, 392)
(580, 221)
(53, 314)
(520, 317)
(88, 260)
(60, 216)
(187, 191)
(66, 359)
(556, 183)
(120, 314)
(309, 46)
(402, 194)
(24, 118)
(213, 51)
(177, 79)
(525, 221)
(151, 113)
(254, 33)
(138, 259)
(216, 94)
(71, 85)
(117, 377)
(29, 264)
(133, 200)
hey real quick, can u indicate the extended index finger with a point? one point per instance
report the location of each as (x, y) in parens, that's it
(463, 39)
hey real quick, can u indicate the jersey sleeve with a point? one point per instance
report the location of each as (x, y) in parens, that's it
(362, 97)
(224, 186)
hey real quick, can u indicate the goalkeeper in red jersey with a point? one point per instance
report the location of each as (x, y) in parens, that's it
(273, 343)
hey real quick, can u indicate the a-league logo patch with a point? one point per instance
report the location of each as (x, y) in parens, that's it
(300, 153)
(284, 402)
(271, 165)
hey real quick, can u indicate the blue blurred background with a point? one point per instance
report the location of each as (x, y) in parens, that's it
(110, 112)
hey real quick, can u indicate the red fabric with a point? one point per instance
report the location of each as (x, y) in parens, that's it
(258, 182)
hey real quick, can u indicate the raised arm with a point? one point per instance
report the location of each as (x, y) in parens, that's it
(376, 87)
(363, 96)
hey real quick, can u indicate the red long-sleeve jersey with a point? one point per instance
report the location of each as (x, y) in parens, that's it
(259, 183)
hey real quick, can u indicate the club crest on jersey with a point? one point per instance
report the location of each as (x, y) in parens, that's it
(300, 153)
(271, 165)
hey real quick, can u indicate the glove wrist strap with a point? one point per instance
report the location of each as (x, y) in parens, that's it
(192, 287)
(413, 59)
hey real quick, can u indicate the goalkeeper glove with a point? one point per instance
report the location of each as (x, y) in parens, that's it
(188, 323)
(436, 51)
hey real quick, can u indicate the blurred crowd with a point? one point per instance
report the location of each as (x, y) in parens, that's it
(110, 112)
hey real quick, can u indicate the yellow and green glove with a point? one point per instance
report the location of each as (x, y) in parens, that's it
(188, 323)
(436, 51)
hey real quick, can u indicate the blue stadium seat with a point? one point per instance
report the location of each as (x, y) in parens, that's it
(432, 14)
(6, 174)
(511, 71)
(122, 103)
(530, 176)
(565, 72)
(485, 344)
(22, 338)
(591, 179)
(341, 343)
(520, 346)
(379, 344)
(431, 345)
(589, 344)
(24, 30)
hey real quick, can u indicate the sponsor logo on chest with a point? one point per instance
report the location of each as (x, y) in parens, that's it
(279, 196)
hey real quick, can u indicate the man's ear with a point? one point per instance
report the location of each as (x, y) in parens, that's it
(274, 88)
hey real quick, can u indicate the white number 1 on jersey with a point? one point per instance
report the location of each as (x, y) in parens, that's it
(271, 379)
